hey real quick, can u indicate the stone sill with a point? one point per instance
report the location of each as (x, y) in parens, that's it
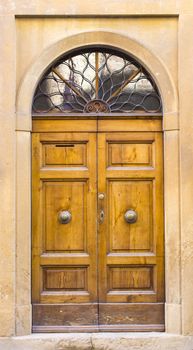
(98, 341)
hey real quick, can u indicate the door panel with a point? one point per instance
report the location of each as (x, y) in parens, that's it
(130, 254)
(72, 196)
(124, 195)
(131, 317)
(65, 154)
(64, 254)
(129, 154)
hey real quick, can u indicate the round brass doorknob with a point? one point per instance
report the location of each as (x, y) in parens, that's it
(130, 216)
(64, 216)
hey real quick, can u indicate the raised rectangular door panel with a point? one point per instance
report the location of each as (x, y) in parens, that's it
(64, 254)
(130, 278)
(124, 195)
(129, 154)
(131, 261)
(64, 154)
(65, 278)
(70, 196)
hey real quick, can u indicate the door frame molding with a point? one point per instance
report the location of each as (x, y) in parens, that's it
(166, 86)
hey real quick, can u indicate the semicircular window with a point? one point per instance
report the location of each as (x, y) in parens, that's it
(96, 81)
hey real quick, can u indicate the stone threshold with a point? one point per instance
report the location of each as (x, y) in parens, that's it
(98, 341)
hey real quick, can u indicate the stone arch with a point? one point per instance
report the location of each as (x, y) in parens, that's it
(152, 64)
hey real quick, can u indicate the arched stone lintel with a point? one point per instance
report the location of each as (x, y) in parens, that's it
(152, 63)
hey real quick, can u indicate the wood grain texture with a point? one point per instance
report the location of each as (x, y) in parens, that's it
(70, 196)
(66, 278)
(65, 315)
(130, 278)
(129, 154)
(136, 195)
(134, 314)
(69, 125)
(65, 154)
(117, 125)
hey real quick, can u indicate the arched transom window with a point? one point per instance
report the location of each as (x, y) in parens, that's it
(96, 80)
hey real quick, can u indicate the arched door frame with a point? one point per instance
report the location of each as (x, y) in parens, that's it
(162, 78)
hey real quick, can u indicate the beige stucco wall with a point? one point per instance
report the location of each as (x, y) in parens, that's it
(42, 33)
(160, 35)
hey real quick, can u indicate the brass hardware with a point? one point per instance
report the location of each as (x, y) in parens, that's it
(64, 216)
(101, 216)
(130, 216)
(101, 196)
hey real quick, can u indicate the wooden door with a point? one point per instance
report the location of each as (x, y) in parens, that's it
(98, 272)
(130, 258)
(64, 262)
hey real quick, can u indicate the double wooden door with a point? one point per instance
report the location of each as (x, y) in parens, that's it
(97, 247)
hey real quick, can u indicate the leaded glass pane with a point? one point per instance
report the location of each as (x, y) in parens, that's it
(96, 81)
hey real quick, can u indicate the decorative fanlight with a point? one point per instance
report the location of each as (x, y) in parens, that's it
(96, 81)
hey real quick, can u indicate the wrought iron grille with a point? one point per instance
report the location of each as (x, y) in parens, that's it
(96, 81)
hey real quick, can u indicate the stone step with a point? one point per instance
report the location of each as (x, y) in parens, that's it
(98, 341)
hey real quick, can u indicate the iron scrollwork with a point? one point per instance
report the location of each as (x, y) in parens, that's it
(97, 81)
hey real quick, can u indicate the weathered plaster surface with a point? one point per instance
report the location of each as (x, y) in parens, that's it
(41, 33)
(105, 7)
(7, 175)
(186, 158)
(23, 225)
